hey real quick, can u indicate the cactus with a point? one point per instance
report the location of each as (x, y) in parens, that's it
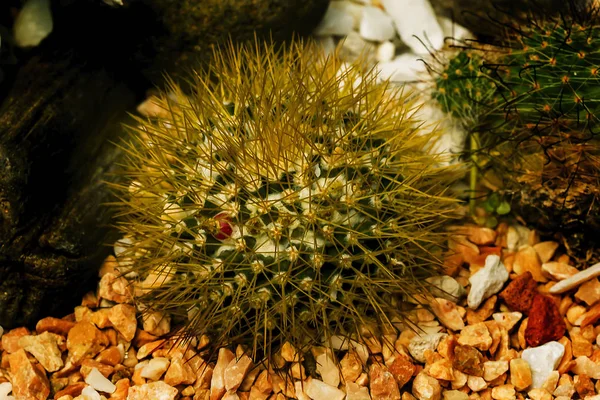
(540, 131)
(286, 198)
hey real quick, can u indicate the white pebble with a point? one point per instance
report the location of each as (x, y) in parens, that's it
(88, 393)
(5, 389)
(416, 24)
(420, 343)
(96, 380)
(404, 68)
(446, 287)
(33, 23)
(376, 25)
(1, 331)
(487, 281)
(542, 361)
(385, 51)
(341, 18)
(453, 30)
(575, 280)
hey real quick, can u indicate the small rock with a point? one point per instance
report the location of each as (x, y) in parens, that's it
(542, 361)
(263, 386)
(44, 348)
(487, 281)
(154, 390)
(319, 390)
(482, 313)
(507, 319)
(341, 18)
(516, 237)
(425, 387)
(290, 353)
(156, 323)
(576, 280)
(477, 335)
(85, 341)
(441, 370)
(217, 383)
(115, 288)
(89, 393)
(503, 392)
(454, 395)
(402, 369)
(584, 386)
(155, 368)
(476, 383)
(181, 371)
(520, 374)
(376, 25)
(527, 259)
(356, 392)
(545, 323)
(583, 365)
(96, 380)
(558, 270)
(493, 369)
(446, 287)
(327, 368)
(468, 359)
(545, 250)
(122, 316)
(419, 23)
(236, 371)
(418, 344)
(519, 293)
(382, 384)
(351, 366)
(589, 292)
(385, 51)
(54, 325)
(28, 382)
(5, 389)
(447, 313)
(10, 340)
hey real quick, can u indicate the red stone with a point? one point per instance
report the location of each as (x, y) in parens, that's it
(519, 293)
(545, 323)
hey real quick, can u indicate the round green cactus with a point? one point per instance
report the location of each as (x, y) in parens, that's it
(287, 198)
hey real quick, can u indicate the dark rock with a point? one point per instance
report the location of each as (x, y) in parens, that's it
(545, 323)
(468, 359)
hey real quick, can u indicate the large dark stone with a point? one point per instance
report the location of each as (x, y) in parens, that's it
(61, 115)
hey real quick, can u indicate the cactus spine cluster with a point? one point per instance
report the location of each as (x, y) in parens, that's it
(540, 125)
(287, 198)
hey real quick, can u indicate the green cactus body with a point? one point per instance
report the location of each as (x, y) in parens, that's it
(551, 73)
(462, 90)
(285, 199)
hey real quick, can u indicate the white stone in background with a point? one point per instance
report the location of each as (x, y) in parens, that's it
(487, 281)
(404, 68)
(88, 393)
(576, 280)
(543, 360)
(420, 343)
(341, 18)
(453, 136)
(353, 47)
(385, 51)
(96, 380)
(416, 18)
(376, 25)
(326, 43)
(452, 30)
(1, 331)
(33, 23)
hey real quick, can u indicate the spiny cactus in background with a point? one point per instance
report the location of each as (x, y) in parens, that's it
(541, 137)
(285, 199)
